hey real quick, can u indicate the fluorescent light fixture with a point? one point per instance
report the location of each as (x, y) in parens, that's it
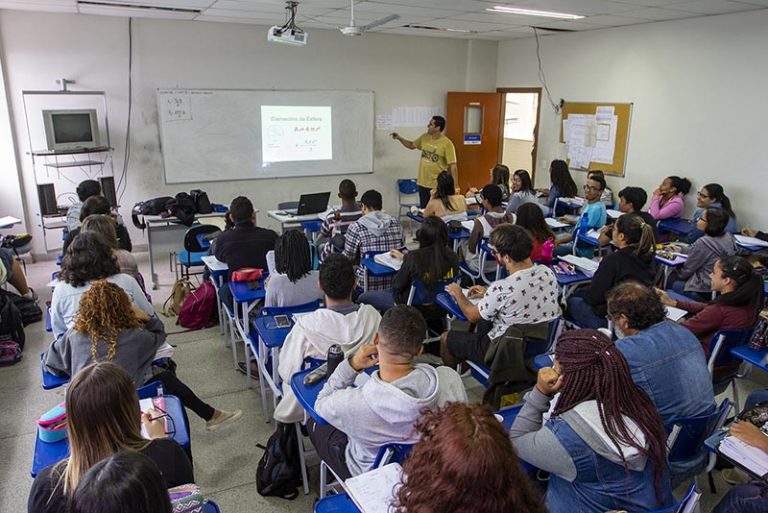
(533, 12)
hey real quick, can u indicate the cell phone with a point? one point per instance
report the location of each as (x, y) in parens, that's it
(282, 321)
(316, 375)
(253, 285)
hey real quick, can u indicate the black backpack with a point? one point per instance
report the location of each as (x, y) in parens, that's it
(183, 207)
(279, 470)
(202, 203)
(152, 207)
(11, 325)
(28, 309)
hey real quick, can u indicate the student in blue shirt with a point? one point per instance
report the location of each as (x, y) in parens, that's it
(592, 216)
(711, 195)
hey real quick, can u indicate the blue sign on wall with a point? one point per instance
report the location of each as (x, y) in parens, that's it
(472, 138)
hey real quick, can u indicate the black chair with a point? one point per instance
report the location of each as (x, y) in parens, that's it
(195, 247)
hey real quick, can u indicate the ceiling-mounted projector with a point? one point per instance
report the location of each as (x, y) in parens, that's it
(290, 36)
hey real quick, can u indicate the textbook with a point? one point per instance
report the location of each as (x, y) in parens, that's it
(555, 224)
(751, 458)
(388, 260)
(374, 491)
(750, 241)
(585, 265)
(675, 314)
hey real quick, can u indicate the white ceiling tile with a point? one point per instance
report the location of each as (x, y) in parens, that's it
(248, 21)
(575, 6)
(171, 4)
(650, 3)
(658, 14)
(714, 6)
(611, 20)
(134, 12)
(40, 5)
(760, 3)
(500, 35)
(386, 9)
(492, 17)
(576, 25)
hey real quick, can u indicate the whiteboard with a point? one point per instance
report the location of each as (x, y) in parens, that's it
(212, 135)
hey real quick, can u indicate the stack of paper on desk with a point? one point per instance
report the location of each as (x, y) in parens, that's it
(388, 260)
(675, 314)
(374, 491)
(585, 265)
(750, 241)
(751, 458)
(554, 223)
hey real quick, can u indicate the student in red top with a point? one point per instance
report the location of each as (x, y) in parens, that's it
(737, 306)
(530, 217)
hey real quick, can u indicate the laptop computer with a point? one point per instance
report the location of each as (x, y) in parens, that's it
(310, 204)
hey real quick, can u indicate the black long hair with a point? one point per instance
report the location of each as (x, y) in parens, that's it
(525, 180)
(681, 185)
(530, 217)
(445, 189)
(716, 193)
(292, 256)
(561, 178)
(431, 259)
(749, 284)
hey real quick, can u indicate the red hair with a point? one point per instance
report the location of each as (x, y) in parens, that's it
(464, 462)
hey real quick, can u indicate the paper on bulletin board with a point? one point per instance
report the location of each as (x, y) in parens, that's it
(605, 143)
(413, 116)
(384, 122)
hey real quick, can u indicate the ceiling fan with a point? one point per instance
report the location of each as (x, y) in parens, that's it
(354, 30)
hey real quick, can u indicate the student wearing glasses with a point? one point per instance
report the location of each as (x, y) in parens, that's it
(711, 195)
(522, 191)
(592, 216)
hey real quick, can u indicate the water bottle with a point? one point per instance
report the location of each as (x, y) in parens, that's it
(547, 249)
(335, 357)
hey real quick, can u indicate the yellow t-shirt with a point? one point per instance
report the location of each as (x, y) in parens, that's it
(436, 154)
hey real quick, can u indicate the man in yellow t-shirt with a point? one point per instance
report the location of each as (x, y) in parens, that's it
(437, 154)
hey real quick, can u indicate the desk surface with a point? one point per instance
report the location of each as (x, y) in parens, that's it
(47, 454)
(447, 303)
(8, 221)
(753, 356)
(570, 279)
(377, 269)
(675, 262)
(174, 219)
(242, 294)
(287, 218)
(268, 332)
(678, 226)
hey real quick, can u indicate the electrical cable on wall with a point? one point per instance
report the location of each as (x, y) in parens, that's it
(556, 107)
(122, 183)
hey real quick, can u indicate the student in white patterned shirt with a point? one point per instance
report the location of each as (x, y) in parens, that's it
(527, 296)
(375, 231)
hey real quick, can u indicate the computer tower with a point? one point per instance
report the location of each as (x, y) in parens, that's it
(46, 195)
(108, 189)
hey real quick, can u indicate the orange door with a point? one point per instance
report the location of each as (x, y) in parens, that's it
(474, 125)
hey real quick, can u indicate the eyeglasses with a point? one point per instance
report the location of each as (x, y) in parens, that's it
(590, 188)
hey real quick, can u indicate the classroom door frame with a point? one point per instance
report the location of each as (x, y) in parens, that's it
(522, 90)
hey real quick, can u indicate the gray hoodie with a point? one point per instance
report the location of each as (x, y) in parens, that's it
(702, 256)
(540, 447)
(378, 412)
(377, 222)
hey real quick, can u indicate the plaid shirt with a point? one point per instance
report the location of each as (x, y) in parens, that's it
(360, 240)
(336, 223)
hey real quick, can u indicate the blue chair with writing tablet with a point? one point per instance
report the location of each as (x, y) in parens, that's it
(195, 247)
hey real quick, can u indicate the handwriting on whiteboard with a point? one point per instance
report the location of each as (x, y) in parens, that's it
(176, 107)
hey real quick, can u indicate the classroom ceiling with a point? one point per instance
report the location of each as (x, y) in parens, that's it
(463, 19)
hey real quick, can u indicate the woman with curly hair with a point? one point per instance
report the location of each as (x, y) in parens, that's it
(464, 443)
(109, 328)
(605, 444)
(89, 257)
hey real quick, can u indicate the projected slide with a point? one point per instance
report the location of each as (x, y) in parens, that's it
(292, 133)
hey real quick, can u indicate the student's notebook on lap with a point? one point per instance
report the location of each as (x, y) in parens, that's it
(158, 403)
(374, 491)
(750, 457)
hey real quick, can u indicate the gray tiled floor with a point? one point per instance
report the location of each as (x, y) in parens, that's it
(225, 460)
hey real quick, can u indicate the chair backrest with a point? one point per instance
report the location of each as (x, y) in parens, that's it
(191, 242)
(391, 453)
(306, 307)
(421, 293)
(407, 186)
(686, 435)
(722, 343)
(535, 347)
(688, 503)
(148, 390)
(211, 507)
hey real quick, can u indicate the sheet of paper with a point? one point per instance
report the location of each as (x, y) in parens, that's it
(593, 234)
(145, 405)
(675, 314)
(555, 224)
(566, 131)
(605, 142)
(413, 116)
(473, 300)
(374, 491)
(388, 260)
(584, 264)
(8, 221)
(614, 214)
(750, 241)
(468, 225)
(753, 459)
(384, 122)
(604, 112)
(214, 264)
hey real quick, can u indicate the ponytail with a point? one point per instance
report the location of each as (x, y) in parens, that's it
(749, 284)
(716, 192)
(682, 185)
(637, 233)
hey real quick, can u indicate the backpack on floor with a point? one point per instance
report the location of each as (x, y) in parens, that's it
(181, 289)
(11, 325)
(199, 308)
(28, 308)
(10, 353)
(279, 470)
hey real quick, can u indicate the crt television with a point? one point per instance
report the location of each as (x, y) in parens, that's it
(71, 129)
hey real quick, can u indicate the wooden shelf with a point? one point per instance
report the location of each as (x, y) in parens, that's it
(75, 163)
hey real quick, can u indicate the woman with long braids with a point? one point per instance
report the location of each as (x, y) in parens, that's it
(464, 443)
(291, 278)
(605, 444)
(109, 328)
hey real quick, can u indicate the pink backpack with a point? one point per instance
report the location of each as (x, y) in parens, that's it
(199, 308)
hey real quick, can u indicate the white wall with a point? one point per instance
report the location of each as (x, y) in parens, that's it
(402, 71)
(698, 88)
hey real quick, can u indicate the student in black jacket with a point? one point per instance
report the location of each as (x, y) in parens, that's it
(99, 205)
(633, 260)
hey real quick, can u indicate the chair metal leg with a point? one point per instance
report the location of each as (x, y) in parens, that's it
(302, 459)
(323, 479)
(711, 479)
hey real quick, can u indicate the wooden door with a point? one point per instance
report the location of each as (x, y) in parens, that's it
(474, 125)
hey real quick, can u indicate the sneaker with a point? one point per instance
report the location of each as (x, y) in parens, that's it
(254, 370)
(222, 418)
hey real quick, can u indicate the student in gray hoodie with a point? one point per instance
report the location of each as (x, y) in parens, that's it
(385, 408)
(375, 231)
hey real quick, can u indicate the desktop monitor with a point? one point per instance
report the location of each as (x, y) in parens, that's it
(71, 129)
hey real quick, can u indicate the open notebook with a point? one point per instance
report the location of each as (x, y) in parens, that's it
(374, 491)
(388, 260)
(749, 457)
(145, 404)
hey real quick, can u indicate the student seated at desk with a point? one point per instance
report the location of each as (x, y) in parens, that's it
(85, 189)
(291, 280)
(693, 278)
(527, 296)
(500, 178)
(562, 186)
(105, 227)
(740, 300)
(11, 272)
(464, 443)
(751, 232)
(631, 201)
(384, 409)
(103, 418)
(336, 222)
(752, 496)
(443, 201)
(482, 228)
(87, 259)
(375, 231)
(522, 191)
(109, 328)
(633, 260)
(592, 217)
(125, 481)
(607, 196)
(99, 205)
(711, 195)
(340, 322)
(667, 201)
(605, 444)
(530, 217)
(245, 245)
(433, 262)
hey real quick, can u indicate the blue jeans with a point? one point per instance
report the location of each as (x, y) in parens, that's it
(581, 313)
(381, 300)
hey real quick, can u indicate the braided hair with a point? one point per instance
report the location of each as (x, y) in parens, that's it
(594, 369)
(292, 255)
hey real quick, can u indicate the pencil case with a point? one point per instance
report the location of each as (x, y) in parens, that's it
(246, 274)
(52, 426)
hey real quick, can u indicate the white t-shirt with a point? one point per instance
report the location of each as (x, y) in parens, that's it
(526, 297)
